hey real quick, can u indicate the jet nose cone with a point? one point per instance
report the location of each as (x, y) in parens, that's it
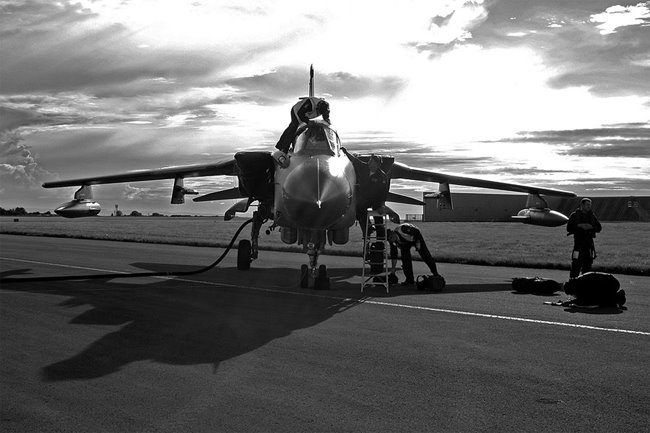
(314, 196)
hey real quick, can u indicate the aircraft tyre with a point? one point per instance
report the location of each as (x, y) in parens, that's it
(304, 276)
(244, 255)
(322, 281)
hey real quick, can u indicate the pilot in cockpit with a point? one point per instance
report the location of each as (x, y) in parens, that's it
(303, 111)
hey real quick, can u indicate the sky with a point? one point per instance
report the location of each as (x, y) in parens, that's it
(554, 93)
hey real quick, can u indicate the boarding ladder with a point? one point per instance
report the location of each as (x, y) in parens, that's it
(375, 251)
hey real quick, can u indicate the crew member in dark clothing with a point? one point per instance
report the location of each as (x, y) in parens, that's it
(583, 225)
(595, 288)
(302, 112)
(405, 236)
(373, 187)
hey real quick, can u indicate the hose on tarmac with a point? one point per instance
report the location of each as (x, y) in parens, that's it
(132, 274)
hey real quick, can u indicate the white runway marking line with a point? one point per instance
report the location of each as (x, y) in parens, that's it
(63, 266)
(363, 300)
(437, 310)
(516, 319)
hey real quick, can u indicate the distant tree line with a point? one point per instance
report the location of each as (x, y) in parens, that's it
(20, 211)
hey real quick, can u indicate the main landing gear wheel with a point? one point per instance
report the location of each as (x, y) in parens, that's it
(304, 276)
(322, 281)
(244, 255)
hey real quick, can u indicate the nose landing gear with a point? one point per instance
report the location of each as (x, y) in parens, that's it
(318, 273)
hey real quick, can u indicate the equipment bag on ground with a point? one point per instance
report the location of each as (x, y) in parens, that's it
(535, 285)
(430, 283)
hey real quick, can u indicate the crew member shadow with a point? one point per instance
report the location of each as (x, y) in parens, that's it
(596, 310)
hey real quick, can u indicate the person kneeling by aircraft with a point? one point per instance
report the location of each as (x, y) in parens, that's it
(595, 288)
(405, 236)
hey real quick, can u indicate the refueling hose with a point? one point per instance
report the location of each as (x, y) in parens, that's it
(134, 274)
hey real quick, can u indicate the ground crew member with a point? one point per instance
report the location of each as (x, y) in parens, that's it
(595, 288)
(302, 112)
(405, 236)
(583, 225)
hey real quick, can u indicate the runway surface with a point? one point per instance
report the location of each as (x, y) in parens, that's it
(232, 350)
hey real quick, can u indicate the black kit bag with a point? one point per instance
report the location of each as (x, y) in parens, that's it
(595, 288)
(430, 283)
(535, 285)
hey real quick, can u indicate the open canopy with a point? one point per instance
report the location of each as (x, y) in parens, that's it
(317, 138)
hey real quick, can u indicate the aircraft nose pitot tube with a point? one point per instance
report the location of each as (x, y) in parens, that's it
(315, 196)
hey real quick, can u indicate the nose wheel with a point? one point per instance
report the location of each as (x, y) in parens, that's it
(319, 275)
(322, 281)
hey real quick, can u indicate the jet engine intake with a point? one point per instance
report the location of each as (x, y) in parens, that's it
(339, 236)
(289, 235)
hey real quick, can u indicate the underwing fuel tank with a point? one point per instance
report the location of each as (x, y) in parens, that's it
(541, 217)
(78, 209)
(83, 204)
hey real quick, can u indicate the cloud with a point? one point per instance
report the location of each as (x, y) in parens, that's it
(39, 17)
(568, 36)
(273, 87)
(52, 113)
(621, 185)
(624, 141)
(413, 153)
(618, 16)
(149, 195)
(451, 26)
(531, 171)
(98, 62)
(62, 47)
(11, 119)
(19, 168)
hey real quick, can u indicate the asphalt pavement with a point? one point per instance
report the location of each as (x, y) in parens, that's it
(230, 350)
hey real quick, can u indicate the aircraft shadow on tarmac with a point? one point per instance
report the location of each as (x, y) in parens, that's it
(176, 322)
(180, 322)
(340, 278)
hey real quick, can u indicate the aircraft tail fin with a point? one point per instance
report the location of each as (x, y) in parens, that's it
(311, 81)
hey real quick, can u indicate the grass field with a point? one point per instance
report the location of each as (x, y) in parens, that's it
(622, 247)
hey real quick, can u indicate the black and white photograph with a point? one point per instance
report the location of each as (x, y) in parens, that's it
(337, 216)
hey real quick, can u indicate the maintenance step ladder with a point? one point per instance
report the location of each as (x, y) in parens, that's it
(375, 252)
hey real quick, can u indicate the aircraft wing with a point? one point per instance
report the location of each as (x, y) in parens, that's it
(225, 167)
(403, 171)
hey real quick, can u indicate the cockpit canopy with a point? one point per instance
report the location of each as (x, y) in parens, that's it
(317, 138)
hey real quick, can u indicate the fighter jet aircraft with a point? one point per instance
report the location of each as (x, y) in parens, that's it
(313, 193)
